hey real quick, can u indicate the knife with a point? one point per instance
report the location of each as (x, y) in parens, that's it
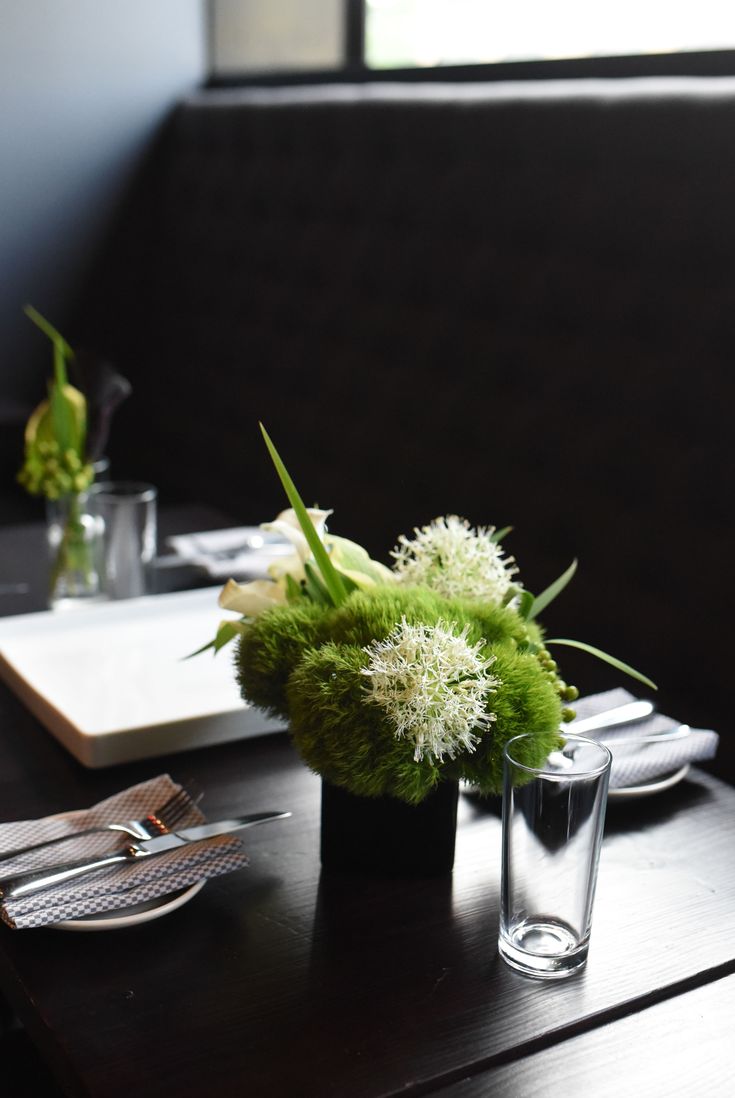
(611, 718)
(25, 884)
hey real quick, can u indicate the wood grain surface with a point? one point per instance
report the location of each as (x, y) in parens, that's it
(678, 1048)
(278, 980)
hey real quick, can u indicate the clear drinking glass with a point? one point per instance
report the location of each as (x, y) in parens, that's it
(126, 512)
(553, 818)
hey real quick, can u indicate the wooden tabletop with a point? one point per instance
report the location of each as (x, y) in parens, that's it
(277, 974)
(677, 1047)
(278, 980)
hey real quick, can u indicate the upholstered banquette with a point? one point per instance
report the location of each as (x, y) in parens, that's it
(514, 302)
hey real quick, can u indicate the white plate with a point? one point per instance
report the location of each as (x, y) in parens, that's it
(132, 916)
(627, 792)
(112, 684)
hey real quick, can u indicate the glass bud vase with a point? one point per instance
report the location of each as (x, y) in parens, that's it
(75, 547)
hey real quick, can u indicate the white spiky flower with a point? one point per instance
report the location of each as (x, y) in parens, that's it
(433, 686)
(455, 560)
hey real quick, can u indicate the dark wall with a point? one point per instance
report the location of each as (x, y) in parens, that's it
(84, 86)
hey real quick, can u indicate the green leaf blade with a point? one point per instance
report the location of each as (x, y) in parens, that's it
(498, 536)
(62, 417)
(606, 658)
(315, 587)
(226, 632)
(48, 330)
(294, 591)
(525, 604)
(546, 597)
(332, 579)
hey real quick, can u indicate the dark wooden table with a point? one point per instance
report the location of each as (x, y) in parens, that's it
(278, 980)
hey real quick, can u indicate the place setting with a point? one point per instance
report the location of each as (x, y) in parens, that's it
(651, 751)
(132, 858)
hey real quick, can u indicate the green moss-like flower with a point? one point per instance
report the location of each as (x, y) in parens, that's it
(527, 703)
(307, 663)
(371, 615)
(346, 740)
(269, 649)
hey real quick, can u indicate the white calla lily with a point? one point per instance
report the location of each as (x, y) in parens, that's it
(251, 599)
(292, 565)
(351, 560)
(287, 526)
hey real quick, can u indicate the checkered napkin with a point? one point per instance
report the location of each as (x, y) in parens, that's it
(119, 886)
(638, 764)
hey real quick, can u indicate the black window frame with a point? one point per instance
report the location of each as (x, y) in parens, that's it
(355, 70)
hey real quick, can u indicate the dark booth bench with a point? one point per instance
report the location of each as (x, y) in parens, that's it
(514, 302)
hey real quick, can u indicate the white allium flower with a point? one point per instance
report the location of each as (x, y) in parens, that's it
(455, 560)
(433, 685)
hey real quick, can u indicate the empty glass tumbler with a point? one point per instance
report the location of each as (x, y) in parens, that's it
(553, 818)
(126, 513)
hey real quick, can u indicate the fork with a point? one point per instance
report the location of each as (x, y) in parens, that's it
(679, 733)
(158, 822)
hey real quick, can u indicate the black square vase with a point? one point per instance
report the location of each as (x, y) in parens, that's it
(386, 837)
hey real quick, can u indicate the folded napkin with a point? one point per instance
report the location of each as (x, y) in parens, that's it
(120, 886)
(243, 551)
(638, 764)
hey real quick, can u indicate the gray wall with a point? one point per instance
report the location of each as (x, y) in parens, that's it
(84, 84)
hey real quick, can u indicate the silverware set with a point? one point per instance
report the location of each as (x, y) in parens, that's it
(621, 716)
(156, 833)
(158, 822)
(613, 718)
(25, 884)
(679, 733)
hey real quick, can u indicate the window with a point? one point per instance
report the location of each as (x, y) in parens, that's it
(262, 36)
(429, 33)
(281, 41)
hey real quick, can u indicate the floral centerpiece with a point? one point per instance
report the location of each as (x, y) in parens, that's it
(398, 681)
(64, 437)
